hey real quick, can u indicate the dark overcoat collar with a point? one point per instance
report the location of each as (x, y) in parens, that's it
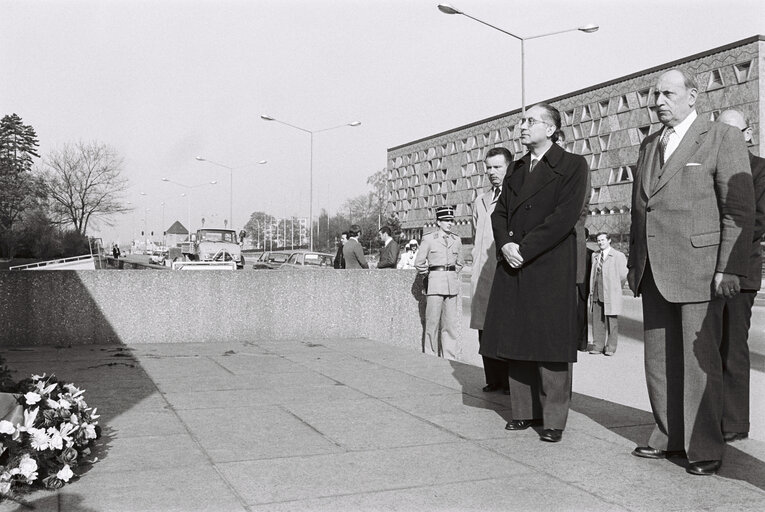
(527, 184)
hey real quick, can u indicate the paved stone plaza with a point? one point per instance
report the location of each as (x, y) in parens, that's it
(356, 425)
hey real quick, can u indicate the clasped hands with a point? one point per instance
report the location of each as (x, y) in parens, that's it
(512, 255)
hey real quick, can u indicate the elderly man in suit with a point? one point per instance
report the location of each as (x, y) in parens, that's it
(389, 252)
(737, 313)
(609, 272)
(440, 259)
(497, 162)
(531, 319)
(692, 216)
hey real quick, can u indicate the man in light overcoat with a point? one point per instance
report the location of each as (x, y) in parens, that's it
(691, 233)
(609, 272)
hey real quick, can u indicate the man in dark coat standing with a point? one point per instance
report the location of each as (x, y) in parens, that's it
(339, 258)
(389, 252)
(531, 316)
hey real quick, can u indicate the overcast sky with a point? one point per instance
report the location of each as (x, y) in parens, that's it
(164, 81)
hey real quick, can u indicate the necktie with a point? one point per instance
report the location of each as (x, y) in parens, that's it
(534, 163)
(496, 193)
(599, 266)
(663, 143)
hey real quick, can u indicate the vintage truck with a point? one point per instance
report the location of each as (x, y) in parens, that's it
(214, 245)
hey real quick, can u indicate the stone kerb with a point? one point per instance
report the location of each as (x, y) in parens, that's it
(134, 307)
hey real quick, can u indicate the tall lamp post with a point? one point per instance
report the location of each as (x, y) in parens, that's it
(266, 117)
(587, 29)
(188, 199)
(230, 183)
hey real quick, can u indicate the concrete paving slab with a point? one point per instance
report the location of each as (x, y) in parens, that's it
(368, 424)
(384, 382)
(135, 422)
(150, 350)
(521, 493)
(235, 398)
(245, 433)
(465, 416)
(173, 367)
(257, 381)
(243, 364)
(127, 454)
(146, 489)
(356, 472)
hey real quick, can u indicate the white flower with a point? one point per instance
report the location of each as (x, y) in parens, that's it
(6, 427)
(64, 404)
(32, 398)
(65, 474)
(66, 429)
(74, 420)
(38, 377)
(56, 441)
(90, 431)
(30, 415)
(40, 440)
(93, 414)
(28, 467)
(5, 488)
(52, 403)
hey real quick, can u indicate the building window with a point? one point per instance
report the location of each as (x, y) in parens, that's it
(605, 140)
(595, 195)
(586, 115)
(715, 80)
(620, 175)
(743, 71)
(569, 116)
(643, 132)
(623, 104)
(603, 108)
(595, 126)
(643, 96)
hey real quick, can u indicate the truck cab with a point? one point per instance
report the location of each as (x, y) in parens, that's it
(214, 245)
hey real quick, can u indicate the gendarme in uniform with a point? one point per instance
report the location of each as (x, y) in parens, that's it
(440, 259)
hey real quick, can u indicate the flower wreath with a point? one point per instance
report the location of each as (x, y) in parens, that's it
(47, 432)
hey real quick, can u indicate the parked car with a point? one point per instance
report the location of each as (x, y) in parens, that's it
(158, 257)
(271, 260)
(308, 260)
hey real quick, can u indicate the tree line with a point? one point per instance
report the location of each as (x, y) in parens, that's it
(48, 203)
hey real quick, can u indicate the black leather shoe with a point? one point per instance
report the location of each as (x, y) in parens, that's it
(551, 435)
(652, 453)
(521, 424)
(488, 388)
(734, 436)
(704, 467)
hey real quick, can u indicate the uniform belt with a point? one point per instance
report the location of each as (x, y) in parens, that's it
(448, 268)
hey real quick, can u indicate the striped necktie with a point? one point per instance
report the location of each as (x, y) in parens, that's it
(663, 143)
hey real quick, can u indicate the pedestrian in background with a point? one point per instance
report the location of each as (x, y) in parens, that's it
(408, 256)
(440, 259)
(609, 273)
(497, 163)
(339, 258)
(737, 312)
(389, 252)
(690, 239)
(353, 253)
(531, 316)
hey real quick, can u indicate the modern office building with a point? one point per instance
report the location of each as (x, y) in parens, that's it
(605, 123)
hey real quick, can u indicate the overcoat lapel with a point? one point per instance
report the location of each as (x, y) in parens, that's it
(688, 146)
(543, 174)
(651, 162)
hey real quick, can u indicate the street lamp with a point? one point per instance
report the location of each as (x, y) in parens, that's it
(266, 117)
(230, 182)
(186, 195)
(587, 29)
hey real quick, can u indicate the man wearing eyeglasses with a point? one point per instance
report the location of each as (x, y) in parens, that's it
(531, 317)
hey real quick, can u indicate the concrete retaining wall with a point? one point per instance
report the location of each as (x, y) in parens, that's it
(92, 307)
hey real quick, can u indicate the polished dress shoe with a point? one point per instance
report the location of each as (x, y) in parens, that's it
(596, 351)
(652, 453)
(734, 436)
(704, 467)
(488, 388)
(521, 424)
(551, 435)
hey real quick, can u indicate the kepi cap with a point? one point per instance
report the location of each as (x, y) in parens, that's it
(445, 213)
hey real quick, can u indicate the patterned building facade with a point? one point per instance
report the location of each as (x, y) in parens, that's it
(605, 123)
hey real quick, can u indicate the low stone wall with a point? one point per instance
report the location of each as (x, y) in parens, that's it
(92, 307)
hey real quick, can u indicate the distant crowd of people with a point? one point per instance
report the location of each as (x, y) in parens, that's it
(698, 216)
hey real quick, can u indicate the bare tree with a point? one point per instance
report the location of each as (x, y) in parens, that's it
(83, 182)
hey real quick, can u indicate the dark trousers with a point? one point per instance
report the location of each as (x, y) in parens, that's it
(581, 315)
(540, 390)
(683, 371)
(734, 349)
(494, 369)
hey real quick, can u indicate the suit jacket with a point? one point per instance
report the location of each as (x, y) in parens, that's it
(353, 255)
(484, 258)
(753, 279)
(435, 250)
(532, 311)
(614, 273)
(388, 255)
(339, 262)
(693, 216)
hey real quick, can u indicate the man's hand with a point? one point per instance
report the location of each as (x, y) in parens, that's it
(512, 255)
(726, 285)
(631, 280)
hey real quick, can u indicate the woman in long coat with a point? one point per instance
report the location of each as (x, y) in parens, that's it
(531, 316)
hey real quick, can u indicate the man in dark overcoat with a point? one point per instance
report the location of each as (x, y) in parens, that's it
(531, 317)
